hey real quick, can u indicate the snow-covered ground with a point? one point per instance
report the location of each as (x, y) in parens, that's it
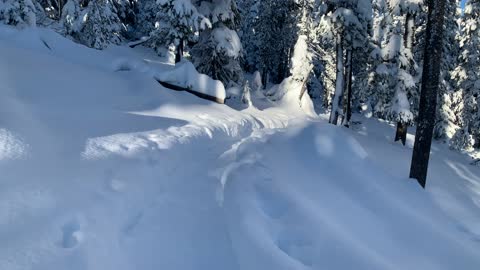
(102, 168)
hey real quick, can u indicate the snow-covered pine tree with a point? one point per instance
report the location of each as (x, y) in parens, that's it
(178, 21)
(249, 11)
(324, 53)
(467, 75)
(405, 90)
(102, 25)
(351, 20)
(53, 8)
(378, 93)
(146, 16)
(126, 10)
(71, 19)
(448, 110)
(277, 32)
(20, 13)
(219, 48)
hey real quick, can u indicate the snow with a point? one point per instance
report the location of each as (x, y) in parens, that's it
(106, 169)
(227, 41)
(185, 75)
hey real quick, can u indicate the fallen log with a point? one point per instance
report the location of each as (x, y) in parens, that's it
(193, 92)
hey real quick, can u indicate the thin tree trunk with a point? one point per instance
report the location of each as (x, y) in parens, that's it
(349, 81)
(402, 128)
(340, 84)
(179, 54)
(428, 96)
(264, 78)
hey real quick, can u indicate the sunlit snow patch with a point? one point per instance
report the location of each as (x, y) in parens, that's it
(11, 146)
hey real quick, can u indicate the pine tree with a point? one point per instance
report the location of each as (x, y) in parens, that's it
(351, 26)
(277, 32)
(467, 75)
(102, 25)
(325, 54)
(405, 90)
(20, 13)
(377, 94)
(219, 49)
(249, 12)
(146, 16)
(71, 18)
(178, 21)
(447, 122)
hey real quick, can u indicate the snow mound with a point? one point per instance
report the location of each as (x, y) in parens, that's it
(185, 75)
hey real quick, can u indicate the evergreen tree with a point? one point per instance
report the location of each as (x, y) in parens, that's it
(71, 18)
(146, 16)
(18, 12)
(404, 13)
(324, 59)
(377, 94)
(249, 12)
(219, 49)
(178, 21)
(467, 75)
(102, 25)
(448, 112)
(351, 20)
(277, 32)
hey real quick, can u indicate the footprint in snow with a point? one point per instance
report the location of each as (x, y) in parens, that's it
(72, 234)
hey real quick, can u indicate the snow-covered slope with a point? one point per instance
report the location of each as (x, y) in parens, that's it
(108, 170)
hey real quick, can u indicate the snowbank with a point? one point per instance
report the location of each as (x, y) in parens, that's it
(185, 75)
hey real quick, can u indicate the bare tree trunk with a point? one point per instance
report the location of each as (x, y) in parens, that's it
(428, 96)
(348, 81)
(340, 84)
(402, 128)
(179, 54)
(264, 78)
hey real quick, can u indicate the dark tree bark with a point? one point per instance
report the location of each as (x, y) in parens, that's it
(264, 77)
(401, 134)
(348, 86)
(402, 128)
(339, 81)
(428, 96)
(179, 54)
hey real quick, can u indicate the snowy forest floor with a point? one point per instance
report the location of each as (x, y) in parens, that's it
(103, 169)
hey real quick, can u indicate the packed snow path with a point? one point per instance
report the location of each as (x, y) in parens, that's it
(107, 170)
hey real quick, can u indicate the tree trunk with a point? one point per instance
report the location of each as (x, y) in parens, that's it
(401, 133)
(402, 128)
(349, 81)
(340, 84)
(179, 54)
(428, 96)
(264, 78)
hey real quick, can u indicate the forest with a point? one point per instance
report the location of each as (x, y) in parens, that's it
(239, 134)
(379, 43)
